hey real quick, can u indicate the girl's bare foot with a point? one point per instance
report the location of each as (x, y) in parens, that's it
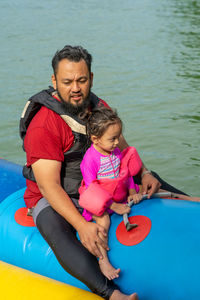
(108, 270)
(117, 295)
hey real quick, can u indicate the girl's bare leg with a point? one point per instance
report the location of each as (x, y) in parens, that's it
(107, 269)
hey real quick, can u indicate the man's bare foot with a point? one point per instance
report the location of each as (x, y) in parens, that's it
(108, 270)
(117, 295)
(184, 197)
(196, 199)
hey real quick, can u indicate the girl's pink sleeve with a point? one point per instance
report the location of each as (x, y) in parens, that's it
(89, 168)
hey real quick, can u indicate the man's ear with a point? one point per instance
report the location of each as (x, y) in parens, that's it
(91, 79)
(94, 139)
(54, 83)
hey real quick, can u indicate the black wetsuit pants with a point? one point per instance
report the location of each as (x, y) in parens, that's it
(71, 254)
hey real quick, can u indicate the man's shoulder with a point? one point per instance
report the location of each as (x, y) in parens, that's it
(47, 119)
(103, 102)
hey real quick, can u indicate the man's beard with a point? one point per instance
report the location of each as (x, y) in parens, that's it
(78, 109)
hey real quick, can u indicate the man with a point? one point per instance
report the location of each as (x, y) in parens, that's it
(53, 129)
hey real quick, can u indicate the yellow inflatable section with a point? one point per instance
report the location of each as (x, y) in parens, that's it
(20, 284)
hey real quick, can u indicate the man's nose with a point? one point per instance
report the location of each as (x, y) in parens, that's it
(75, 86)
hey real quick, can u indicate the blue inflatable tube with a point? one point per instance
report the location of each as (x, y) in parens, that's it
(164, 266)
(11, 178)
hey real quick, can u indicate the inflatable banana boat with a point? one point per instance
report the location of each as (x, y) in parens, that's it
(159, 257)
(20, 284)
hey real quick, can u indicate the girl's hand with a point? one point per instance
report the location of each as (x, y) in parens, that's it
(136, 198)
(120, 208)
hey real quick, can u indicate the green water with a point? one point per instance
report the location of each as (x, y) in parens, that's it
(146, 63)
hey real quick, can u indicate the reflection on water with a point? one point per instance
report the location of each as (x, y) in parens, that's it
(191, 119)
(196, 160)
(146, 64)
(187, 27)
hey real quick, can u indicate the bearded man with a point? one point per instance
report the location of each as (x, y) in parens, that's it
(53, 129)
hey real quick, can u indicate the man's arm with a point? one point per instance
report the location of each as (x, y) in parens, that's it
(47, 175)
(122, 143)
(150, 184)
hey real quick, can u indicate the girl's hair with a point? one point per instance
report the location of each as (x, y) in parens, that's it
(100, 119)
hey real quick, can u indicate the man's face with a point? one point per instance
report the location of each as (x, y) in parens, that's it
(73, 83)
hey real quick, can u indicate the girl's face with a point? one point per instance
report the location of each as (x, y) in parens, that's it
(109, 140)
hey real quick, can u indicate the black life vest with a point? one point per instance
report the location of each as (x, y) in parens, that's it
(70, 172)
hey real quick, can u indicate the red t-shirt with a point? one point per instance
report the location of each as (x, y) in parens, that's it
(48, 137)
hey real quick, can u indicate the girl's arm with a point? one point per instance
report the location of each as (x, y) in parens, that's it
(89, 168)
(133, 195)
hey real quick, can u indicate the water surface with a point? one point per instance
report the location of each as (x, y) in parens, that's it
(146, 58)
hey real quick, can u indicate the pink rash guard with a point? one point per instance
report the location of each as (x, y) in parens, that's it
(107, 178)
(98, 166)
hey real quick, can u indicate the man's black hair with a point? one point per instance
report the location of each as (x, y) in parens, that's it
(72, 53)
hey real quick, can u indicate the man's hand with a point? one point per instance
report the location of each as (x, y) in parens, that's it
(150, 185)
(89, 236)
(47, 174)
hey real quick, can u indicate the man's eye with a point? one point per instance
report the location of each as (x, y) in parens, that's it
(82, 80)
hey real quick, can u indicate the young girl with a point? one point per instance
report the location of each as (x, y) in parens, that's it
(107, 183)
(102, 164)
